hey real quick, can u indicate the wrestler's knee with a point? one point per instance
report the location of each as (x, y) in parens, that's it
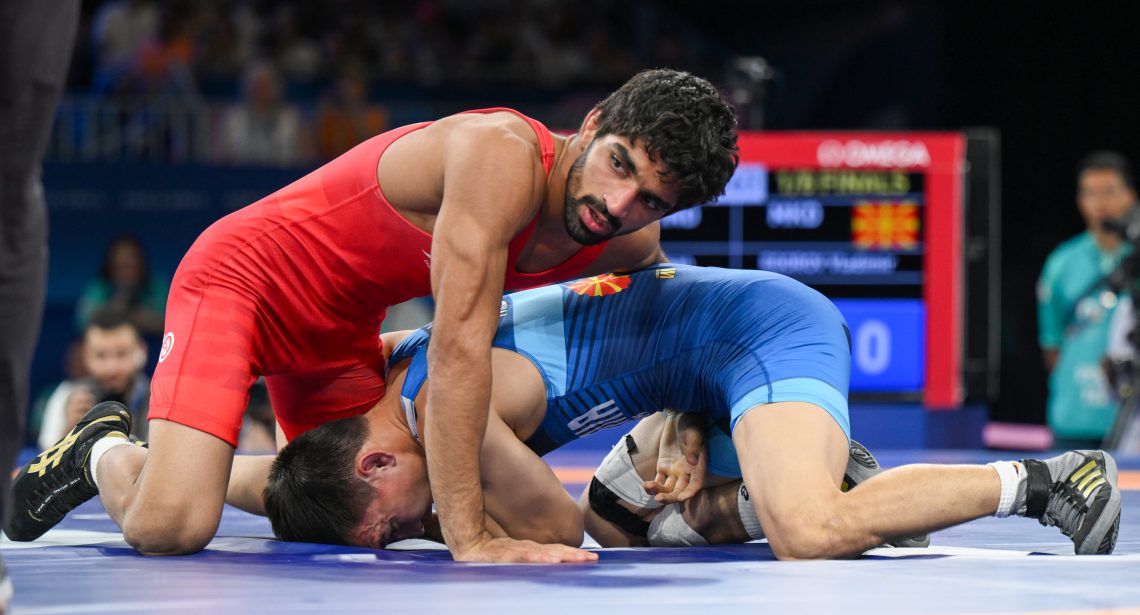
(168, 532)
(805, 533)
(561, 524)
(568, 531)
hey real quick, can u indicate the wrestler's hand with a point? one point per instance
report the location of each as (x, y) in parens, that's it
(509, 550)
(681, 460)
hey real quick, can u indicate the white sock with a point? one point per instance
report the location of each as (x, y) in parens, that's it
(1011, 475)
(101, 446)
(747, 514)
(669, 529)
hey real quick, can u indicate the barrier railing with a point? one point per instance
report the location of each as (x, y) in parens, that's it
(88, 129)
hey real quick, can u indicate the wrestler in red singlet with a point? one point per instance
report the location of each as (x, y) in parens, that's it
(294, 287)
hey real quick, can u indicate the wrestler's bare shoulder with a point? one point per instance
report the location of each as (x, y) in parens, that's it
(487, 131)
(491, 126)
(411, 170)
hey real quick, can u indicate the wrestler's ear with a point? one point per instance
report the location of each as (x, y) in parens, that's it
(589, 128)
(373, 465)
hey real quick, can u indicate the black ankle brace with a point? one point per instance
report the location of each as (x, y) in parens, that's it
(1038, 483)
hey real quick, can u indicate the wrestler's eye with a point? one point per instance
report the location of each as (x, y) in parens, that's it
(617, 164)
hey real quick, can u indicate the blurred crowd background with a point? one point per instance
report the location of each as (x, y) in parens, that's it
(246, 95)
(293, 82)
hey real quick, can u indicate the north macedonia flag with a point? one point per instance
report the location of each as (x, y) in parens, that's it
(885, 225)
(600, 285)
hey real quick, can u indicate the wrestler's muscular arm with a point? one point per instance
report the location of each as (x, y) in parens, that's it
(521, 492)
(489, 194)
(248, 477)
(250, 474)
(523, 497)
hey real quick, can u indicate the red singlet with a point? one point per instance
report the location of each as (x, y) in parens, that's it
(293, 288)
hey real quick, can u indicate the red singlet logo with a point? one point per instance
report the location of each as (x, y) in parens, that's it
(167, 345)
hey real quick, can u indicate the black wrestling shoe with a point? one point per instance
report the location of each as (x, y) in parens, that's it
(59, 479)
(1076, 493)
(861, 465)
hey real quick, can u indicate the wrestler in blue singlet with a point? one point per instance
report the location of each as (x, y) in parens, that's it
(617, 347)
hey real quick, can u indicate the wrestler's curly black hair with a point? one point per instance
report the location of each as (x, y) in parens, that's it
(684, 122)
(313, 493)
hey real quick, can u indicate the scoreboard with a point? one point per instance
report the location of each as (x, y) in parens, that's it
(873, 221)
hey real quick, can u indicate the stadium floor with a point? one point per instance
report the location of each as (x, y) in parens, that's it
(988, 566)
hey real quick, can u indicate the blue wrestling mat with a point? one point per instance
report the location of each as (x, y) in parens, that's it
(988, 566)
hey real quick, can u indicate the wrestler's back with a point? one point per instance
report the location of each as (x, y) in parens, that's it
(686, 338)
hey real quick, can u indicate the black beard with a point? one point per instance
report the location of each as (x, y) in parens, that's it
(577, 230)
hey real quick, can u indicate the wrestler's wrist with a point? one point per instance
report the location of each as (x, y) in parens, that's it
(470, 542)
(466, 534)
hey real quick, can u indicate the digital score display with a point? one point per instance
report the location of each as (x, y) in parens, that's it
(846, 233)
(873, 221)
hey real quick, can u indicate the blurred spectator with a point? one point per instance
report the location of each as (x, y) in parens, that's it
(262, 128)
(1075, 308)
(126, 284)
(225, 51)
(427, 41)
(346, 117)
(176, 67)
(114, 356)
(294, 51)
(1122, 369)
(562, 57)
(120, 29)
(74, 369)
(164, 66)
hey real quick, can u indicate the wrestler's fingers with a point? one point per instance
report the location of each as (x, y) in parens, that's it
(692, 446)
(694, 485)
(655, 486)
(674, 495)
(507, 550)
(666, 488)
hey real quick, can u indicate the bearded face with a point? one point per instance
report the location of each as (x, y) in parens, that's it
(580, 212)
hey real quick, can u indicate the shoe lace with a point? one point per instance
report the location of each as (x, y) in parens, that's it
(1065, 509)
(67, 489)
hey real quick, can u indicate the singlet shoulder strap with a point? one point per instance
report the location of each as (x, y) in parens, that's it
(415, 347)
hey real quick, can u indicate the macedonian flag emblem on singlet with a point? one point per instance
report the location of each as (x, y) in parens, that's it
(600, 285)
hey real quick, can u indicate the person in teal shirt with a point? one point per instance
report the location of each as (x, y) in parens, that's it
(125, 283)
(1074, 305)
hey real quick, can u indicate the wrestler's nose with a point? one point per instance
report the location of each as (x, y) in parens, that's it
(618, 204)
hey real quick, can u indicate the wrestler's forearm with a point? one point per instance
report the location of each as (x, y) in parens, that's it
(467, 275)
(521, 494)
(432, 530)
(456, 418)
(248, 477)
